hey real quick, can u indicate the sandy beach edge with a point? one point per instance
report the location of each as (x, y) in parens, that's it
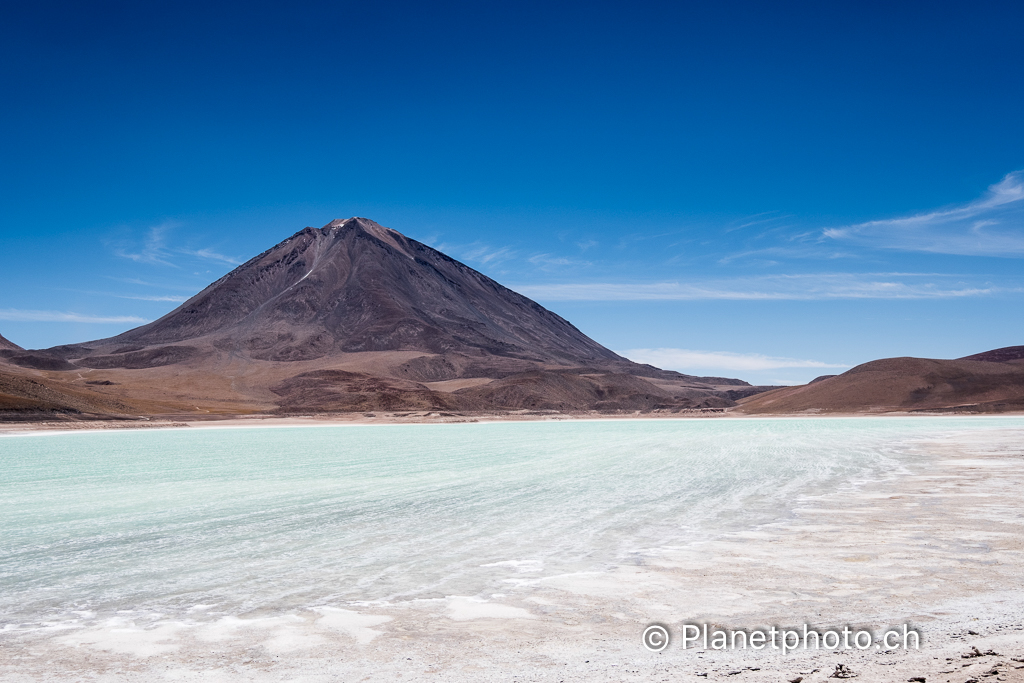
(28, 428)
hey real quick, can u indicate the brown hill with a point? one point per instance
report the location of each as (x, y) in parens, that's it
(1007, 354)
(904, 385)
(28, 395)
(354, 316)
(23, 397)
(6, 345)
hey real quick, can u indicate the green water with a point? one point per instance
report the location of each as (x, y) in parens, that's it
(265, 520)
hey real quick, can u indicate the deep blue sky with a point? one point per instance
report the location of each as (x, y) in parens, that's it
(758, 190)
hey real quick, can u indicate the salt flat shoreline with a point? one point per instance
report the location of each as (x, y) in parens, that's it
(430, 418)
(939, 546)
(337, 419)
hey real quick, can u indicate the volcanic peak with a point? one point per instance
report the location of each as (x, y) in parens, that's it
(353, 286)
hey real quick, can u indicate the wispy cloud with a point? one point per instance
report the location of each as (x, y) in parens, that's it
(155, 249)
(213, 256)
(486, 254)
(781, 253)
(134, 297)
(763, 219)
(773, 287)
(176, 299)
(21, 315)
(686, 359)
(553, 262)
(144, 283)
(992, 225)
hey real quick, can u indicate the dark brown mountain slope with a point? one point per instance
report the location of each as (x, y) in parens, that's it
(903, 385)
(354, 316)
(351, 286)
(6, 345)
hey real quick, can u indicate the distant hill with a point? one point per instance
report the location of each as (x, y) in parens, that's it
(1007, 354)
(6, 345)
(982, 383)
(355, 316)
(29, 395)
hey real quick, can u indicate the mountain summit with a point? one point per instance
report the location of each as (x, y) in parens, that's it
(354, 285)
(351, 317)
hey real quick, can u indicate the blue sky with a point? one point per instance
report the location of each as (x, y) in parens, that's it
(769, 191)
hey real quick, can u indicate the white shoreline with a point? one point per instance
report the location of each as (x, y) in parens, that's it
(34, 429)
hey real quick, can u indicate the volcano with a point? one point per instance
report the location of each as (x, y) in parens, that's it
(355, 286)
(354, 316)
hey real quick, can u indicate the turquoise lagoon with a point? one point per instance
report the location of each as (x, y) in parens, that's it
(267, 520)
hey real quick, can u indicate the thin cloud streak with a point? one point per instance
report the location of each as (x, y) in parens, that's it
(136, 281)
(174, 299)
(213, 256)
(992, 225)
(773, 287)
(177, 298)
(686, 359)
(20, 315)
(156, 251)
(479, 252)
(756, 219)
(553, 262)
